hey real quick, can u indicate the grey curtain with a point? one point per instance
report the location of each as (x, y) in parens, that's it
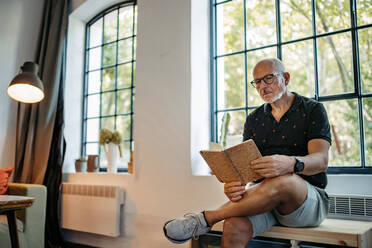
(40, 146)
(36, 121)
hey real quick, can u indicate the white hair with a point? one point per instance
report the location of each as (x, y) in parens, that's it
(277, 64)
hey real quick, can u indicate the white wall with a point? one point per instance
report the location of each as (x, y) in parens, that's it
(19, 29)
(162, 186)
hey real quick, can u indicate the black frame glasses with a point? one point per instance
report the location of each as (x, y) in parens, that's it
(268, 79)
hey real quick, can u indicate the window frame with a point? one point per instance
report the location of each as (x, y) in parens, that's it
(85, 94)
(357, 94)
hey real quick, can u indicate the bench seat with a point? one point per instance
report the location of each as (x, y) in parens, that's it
(349, 233)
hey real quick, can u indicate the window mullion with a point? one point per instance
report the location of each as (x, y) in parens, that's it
(116, 67)
(278, 30)
(245, 58)
(132, 80)
(357, 78)
(315, 47)
(213, 72)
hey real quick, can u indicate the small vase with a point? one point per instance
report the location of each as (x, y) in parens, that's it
(112, 156)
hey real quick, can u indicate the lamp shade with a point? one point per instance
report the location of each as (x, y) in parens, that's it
(27, 86)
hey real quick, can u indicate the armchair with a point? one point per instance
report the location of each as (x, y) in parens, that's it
(31, 221)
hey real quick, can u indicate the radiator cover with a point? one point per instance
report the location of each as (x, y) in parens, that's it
(92, 208)
(354, 207)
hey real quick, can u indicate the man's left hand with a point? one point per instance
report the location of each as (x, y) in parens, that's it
(273, 166)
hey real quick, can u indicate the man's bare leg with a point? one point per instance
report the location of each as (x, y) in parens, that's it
(285, 193)
(237, 232)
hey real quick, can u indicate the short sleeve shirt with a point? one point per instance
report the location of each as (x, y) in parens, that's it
(305, 120)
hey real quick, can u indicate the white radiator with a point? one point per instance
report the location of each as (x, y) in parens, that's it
(92, 208)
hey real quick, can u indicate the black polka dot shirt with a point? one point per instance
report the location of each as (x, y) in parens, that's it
(305, 120)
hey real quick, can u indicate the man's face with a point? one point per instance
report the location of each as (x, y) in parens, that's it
(269, 92)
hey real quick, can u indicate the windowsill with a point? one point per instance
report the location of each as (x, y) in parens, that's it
(98, 173)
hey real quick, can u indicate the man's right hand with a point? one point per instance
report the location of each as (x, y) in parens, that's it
(234, 191)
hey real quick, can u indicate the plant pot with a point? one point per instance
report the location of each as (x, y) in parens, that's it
(80, 166)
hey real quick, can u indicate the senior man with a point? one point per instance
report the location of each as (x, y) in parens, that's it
(293, 134)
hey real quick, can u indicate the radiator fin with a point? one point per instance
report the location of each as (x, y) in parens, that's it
(369, 207)
(350, 207)
(108, 191)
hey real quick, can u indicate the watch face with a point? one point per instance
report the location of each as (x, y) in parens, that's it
(299, 166)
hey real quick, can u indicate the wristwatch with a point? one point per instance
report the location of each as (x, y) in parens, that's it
(299, 166)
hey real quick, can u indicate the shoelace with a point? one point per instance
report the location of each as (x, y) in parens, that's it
(194, 236)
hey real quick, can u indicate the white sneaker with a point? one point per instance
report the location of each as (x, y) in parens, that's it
(182, 229)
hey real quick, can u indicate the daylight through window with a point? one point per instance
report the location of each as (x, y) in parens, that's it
(325, 45)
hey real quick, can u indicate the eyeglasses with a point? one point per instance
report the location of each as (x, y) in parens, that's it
(268, 79)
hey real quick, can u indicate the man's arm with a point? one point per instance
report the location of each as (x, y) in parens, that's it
(276, 165)
(317, 159)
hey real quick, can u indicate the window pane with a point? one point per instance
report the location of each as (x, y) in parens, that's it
(95, 58)
(253, 57)
(92, 149)
(367, 114)
(108, 79)
(261, 23)
(110, 28)
(108, 103)
(109, 54)
(365, 55)
(123, 126)
(364, 11)
(125, 22)
(230, 27)
(125, 50)
(296, 19)
(235, 128)
(93, 105)
(343, 118)
(124, 75)
(108, 122)
(298, 59)
(95, 33)
(230, 81)
(125, 148)
(335, 64)
(94, 82)
(332, 15)
(92, 130)
(124, 99)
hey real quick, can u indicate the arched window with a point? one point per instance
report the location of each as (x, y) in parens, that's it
(324, 44)
(110, 59)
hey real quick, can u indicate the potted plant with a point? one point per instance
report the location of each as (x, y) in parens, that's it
(110, 140)
(81, 164)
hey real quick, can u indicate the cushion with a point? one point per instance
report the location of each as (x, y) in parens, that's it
(4, 179)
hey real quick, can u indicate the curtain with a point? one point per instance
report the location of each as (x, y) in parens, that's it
(40, 146)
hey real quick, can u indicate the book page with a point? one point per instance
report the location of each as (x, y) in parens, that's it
(220, 166)
(241, 156)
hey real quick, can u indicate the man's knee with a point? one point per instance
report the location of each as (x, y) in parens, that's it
(284, 185)
(238, 227)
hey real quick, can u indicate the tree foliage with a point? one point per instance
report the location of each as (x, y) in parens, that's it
(334, 61)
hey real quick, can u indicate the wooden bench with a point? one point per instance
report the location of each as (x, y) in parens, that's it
(332, 231)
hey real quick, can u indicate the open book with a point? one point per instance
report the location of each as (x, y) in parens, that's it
(233, 164)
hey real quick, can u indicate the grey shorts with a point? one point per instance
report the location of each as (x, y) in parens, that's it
(311, 213)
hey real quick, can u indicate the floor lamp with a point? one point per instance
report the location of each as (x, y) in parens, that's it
(27, 87)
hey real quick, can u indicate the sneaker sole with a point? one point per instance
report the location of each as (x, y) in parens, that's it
(173, 240)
